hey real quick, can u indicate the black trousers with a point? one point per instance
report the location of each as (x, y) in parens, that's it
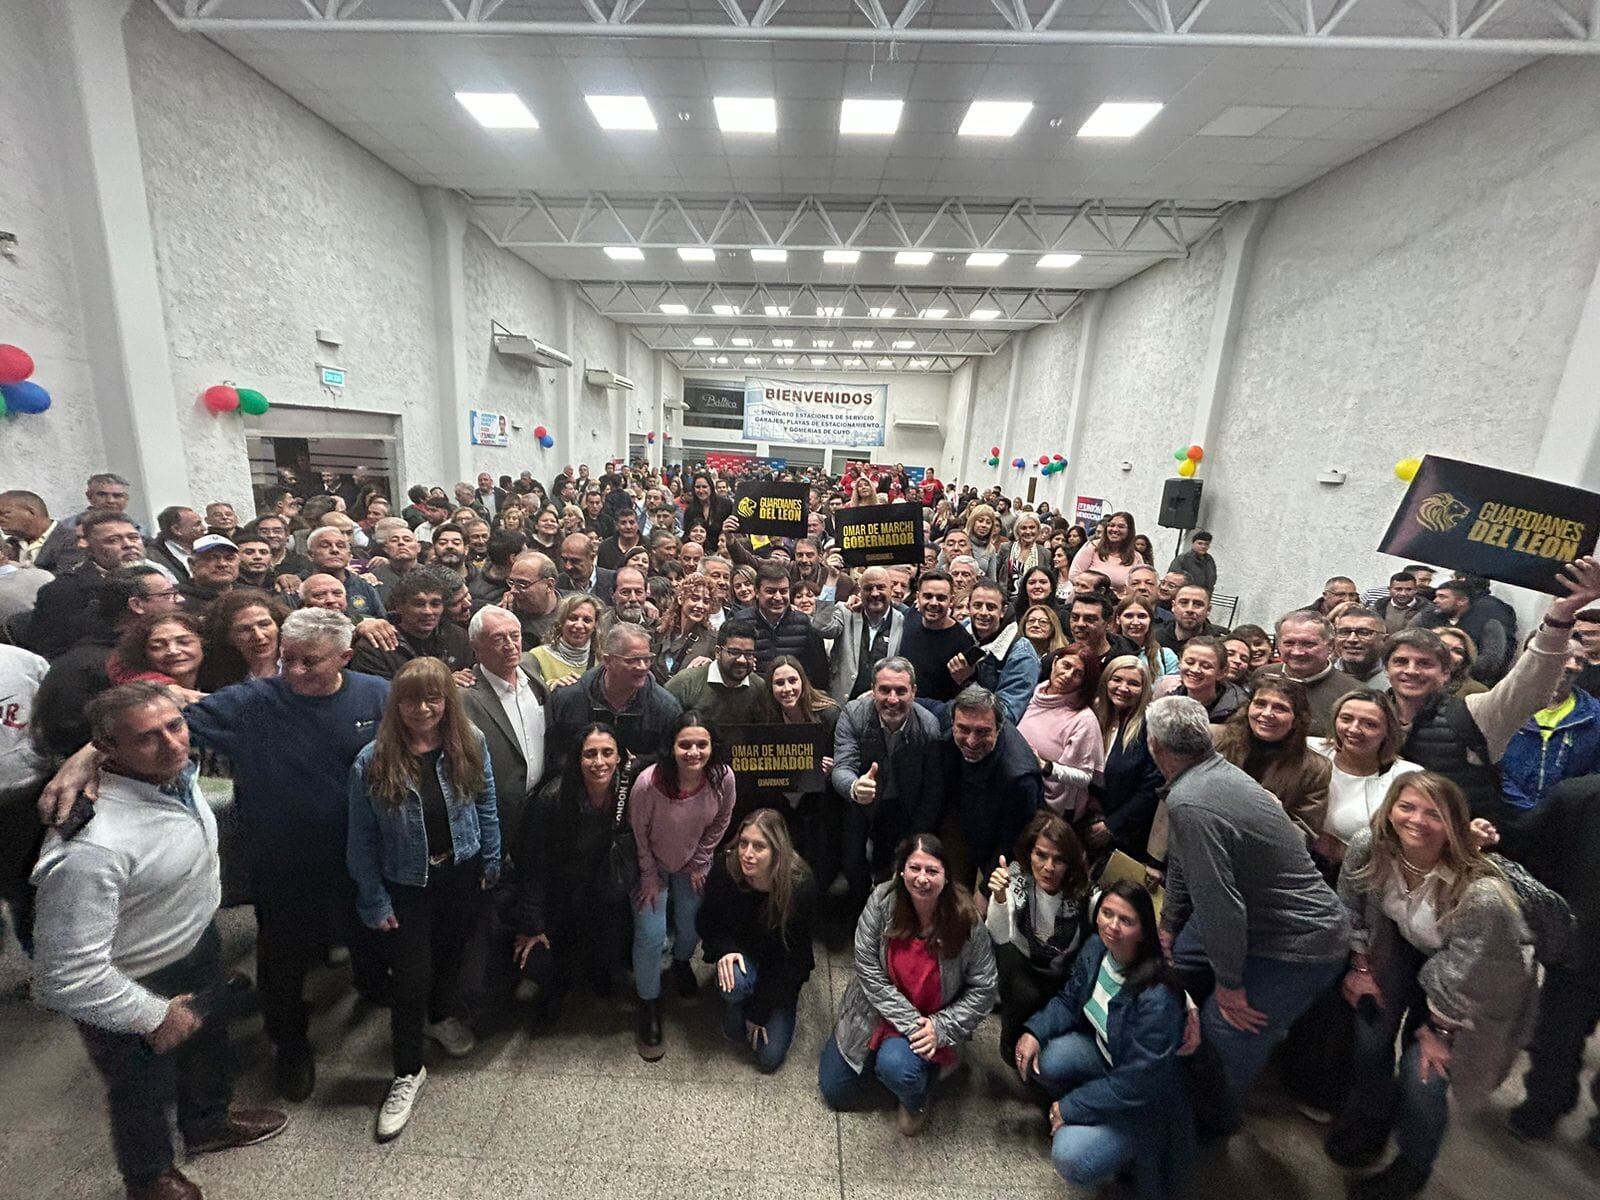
(1024, 990)
(424, 953)
(817, 825)
(591, 938)
(1569, 1009)
(298, 916)
(21, 835)
(141, 1084)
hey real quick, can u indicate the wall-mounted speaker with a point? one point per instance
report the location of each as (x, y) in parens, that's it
(1180, 504)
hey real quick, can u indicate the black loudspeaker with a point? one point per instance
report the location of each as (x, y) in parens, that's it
(1180, 504)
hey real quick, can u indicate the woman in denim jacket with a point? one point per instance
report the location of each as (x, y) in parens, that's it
(424, 845)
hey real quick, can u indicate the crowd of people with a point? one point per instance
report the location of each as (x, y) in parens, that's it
(478, 743)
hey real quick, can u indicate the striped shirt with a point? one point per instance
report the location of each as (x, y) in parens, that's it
(1106, 986)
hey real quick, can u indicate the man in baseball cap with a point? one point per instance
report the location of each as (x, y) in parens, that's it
(213, 570)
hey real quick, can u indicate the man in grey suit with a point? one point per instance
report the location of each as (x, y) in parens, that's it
(865, 631)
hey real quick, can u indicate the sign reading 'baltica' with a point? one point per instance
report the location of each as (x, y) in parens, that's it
(815, 414)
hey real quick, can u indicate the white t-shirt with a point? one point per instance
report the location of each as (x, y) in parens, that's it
(1352, 799)
(21, 673)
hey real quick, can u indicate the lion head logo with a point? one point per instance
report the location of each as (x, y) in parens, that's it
(747, 506)
(1441, 512)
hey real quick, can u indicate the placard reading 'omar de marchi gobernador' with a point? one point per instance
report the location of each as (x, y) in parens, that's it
(815, 414)
(768, 760)
(879, 535)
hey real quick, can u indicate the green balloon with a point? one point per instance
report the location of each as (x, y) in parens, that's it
(1180, 455)
(252, 402)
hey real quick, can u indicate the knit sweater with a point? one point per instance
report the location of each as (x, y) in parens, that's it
(677, 833)
(1069, 737)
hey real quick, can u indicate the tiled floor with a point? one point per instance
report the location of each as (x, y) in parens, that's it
(580, 1114)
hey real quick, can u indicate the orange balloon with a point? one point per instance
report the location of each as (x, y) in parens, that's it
(1196, 453)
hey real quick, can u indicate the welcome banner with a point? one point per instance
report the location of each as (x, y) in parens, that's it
(1498, 524)
(815, 414)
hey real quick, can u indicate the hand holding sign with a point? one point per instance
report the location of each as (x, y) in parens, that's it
(1582, 582)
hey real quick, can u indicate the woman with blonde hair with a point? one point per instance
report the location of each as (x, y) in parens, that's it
(989, 543)
(1463, 656)
(684, 637)
(423, 844)
(1042, 627)
(1027, 549)
(1130, 783)
(755, 925)
(1440, 951)
(743, 586)
(569, 648)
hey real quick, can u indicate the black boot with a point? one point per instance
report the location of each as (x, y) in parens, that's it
(547, 1007)
(1356, 1141)
(1400, 1180)
(296, 1073)
(649, 1031)
(683, 978)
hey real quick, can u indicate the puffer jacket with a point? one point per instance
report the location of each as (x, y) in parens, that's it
(969, 986)
(791, 635)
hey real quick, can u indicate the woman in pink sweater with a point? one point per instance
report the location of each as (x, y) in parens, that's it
(1112, 554)
(1061, 727)
(678, 808)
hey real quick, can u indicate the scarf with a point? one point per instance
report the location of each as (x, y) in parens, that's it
(573, 656)
(1072, 921)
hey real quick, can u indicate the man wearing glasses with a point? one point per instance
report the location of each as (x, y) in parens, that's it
(1358, 641)
(531, 595)
(620, 692)
(727, 690)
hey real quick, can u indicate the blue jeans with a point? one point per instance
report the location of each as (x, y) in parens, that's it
(1282, 990)
(780, 1022)
(1419, 1111)
(650, 931)
(1083, 1155)
(895, 1065)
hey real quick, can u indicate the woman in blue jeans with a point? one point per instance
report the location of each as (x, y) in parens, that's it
(755, 924)
(925, 976)
(1107, 1047)
(678, 808)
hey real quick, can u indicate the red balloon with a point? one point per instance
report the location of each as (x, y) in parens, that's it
(1059, 457)
(539, 431)
(993, 450)
(1044, 460)
(1196, 453)
(15, 364)
(220, 398)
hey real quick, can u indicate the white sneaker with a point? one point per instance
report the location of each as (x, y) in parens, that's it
(452, 1034)
(397, 1105)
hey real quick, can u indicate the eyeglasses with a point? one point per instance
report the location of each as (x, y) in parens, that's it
(522, 585)
(162, 595)
(739, 655)
(638, 662)
(1365, 635)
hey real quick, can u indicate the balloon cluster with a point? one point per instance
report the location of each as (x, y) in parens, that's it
(1052, 464)
(994, 456)
(1406, 469)
(650, 437)
(18, 393)
(543, 434)
(1188, 459)
(224, 397)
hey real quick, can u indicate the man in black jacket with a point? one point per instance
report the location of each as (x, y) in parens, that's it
(64, 611)
(578, 572)
(781, 629)
(993, 785)
(418, 602)
(620, 692)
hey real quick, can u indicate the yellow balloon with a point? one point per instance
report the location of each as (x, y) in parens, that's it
(1186, 467)
(1406, 469)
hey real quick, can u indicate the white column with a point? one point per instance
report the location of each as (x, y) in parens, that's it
(1570, 451)
(447, 232)
(114, 252)
(1088, 340)
(1019, 349)
(566, 448)
(963, 395)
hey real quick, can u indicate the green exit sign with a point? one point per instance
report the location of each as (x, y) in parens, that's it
(333, 377)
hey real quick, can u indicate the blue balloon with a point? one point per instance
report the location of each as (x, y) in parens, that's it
(547, 441)
(25, 397)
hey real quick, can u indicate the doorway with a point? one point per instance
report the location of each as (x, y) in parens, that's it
(292, 447)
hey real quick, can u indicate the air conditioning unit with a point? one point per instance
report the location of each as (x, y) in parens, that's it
(607, 380)
(529, 350)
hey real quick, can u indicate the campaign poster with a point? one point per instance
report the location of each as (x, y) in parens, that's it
(879, 534)
(489, 428)
(769, 760)
(1484, 521)
(815, 414)
(1091, 511)
(775, 509)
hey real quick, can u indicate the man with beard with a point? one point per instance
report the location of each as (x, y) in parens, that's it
(255, 560)
(579, 574)
(614, 550)
(865, 631)
(1089, 623)
(531, 595)
(727, 689)
(450, 549)
(932, 638)
(1191, 617)
(285, 562)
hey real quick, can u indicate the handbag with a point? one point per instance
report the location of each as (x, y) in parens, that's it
(622, 863)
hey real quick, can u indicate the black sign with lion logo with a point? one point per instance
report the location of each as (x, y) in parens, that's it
(1498, 524)
(775, 509)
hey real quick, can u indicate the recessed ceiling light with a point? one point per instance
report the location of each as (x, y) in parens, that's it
(985, 258)
(746, 114)
(622, 112)
(818, 361)
(783, 343)
(776, 310)
(870, 116)
(674, 310)
(1242, 120)
(1057, 262)
(984, 314)
(625, 253)
(697, 254)
(498, 110)
(842, 258)
(786, 360)
(886, 362)
(934, 314)
(905, 344)
(913, 258)
(882, 312)
(863, 344)
(725, 310)
(750, 360)
(822, 343)
(705, 341)
(743, 342)
(918, 363)
(721, 360)
(769, 255)
(1115, 119)
(995, 118)
(829, 310)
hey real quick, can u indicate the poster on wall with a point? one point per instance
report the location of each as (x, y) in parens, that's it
(489, 428)
(713, 399)
(815, 414)
(880, 534)
(724, 463)
(1513, 528)
(1091, 511)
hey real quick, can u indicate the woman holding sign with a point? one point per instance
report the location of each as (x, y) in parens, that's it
(755, 923)
(816, 819)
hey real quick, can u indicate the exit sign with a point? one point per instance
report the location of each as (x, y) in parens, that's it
(333, 377)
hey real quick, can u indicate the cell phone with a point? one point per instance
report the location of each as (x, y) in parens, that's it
(81, 813)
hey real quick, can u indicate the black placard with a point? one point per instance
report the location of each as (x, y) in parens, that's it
(775, 509)
(1498, 524)
(769, 760)
(879, 534)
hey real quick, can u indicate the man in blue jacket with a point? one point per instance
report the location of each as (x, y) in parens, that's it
(1003, 661)
(1560, 741)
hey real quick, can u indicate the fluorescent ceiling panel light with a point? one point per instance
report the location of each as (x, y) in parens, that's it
(918, 363)
(905, 344)
(498, 110)
(863, 344)
(818, 361)
(1242, 120)
(750, 360)
(822, 343)
(986, 258)
(882, 313)
(697, 254)
(746, 114)
(852, 361)
(674, 310)
(985, 314)
(877, 117)
(1057, 262)
(829, 310)
(783, 343)
(1116, 119)
(841, 258)
(622, 112)
(913, 258)
(995, 118)
(886, 362)
(934, 314)
(625, 253)
(725, 310)
(776, 310)
(743, 342)
(705, 341)
(721, 360)
(766, 255)
(786, 360)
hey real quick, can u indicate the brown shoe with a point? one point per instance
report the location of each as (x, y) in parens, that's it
(171, 1184)
(244, 1127)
